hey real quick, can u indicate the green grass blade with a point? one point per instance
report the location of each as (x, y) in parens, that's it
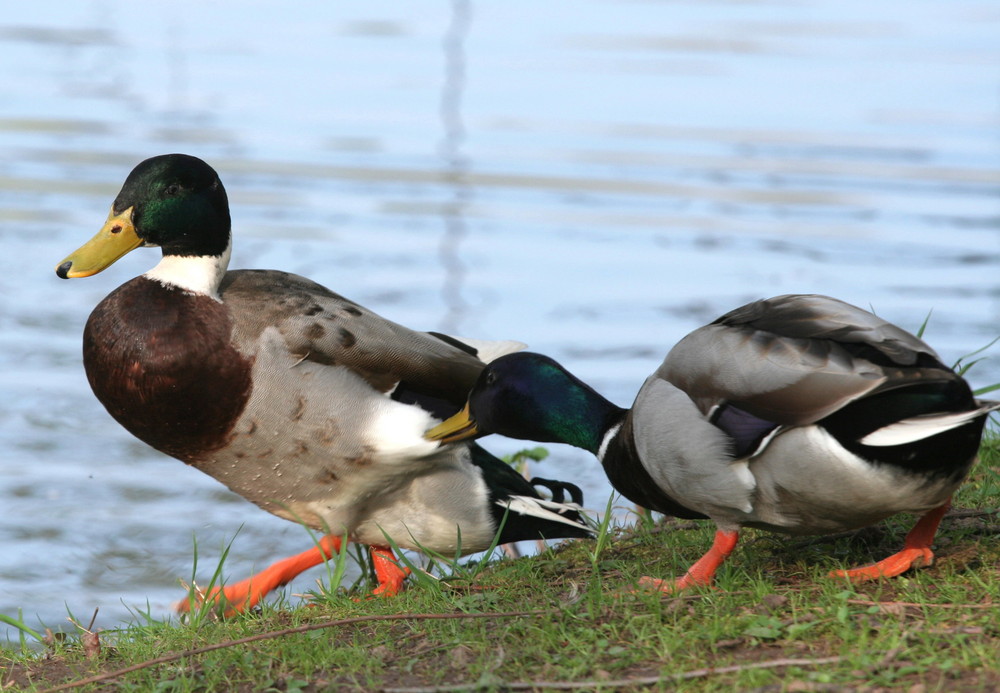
(603, 532)
(923, 325)
(961, 369)
(988, 388)
(22, 628)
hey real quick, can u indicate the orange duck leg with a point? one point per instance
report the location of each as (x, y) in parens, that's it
(246, 594)
(702, 573)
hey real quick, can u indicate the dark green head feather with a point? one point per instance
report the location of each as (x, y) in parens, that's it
(530, 396)
(179, 204)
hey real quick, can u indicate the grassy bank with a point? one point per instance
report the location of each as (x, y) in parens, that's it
(568, 619)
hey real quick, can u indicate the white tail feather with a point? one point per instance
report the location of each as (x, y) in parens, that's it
(920, 427)
(537, 507)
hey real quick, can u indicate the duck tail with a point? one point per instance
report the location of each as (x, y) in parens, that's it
(539, 518)
(920, 427)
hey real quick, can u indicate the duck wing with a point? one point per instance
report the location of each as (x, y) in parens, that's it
(319, 325)
(796, 359)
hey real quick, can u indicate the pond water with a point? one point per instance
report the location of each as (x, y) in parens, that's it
(594, 178)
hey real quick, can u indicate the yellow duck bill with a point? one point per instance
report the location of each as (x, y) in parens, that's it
(116, 238)
(461, 426)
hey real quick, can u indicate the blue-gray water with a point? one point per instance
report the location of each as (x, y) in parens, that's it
(594, 178)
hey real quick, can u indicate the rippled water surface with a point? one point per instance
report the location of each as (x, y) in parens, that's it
(594, 178)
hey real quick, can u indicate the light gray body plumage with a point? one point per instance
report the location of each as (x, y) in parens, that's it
(800, 479)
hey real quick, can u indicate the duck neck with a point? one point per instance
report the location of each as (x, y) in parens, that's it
(585, 419)
(199, 274)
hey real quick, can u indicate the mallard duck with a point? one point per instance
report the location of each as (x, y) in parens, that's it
(799, 414)
(301, 401)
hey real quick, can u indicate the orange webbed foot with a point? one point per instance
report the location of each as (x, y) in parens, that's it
(228, 601)
(916, 551)
(894, 565)
(389, 573)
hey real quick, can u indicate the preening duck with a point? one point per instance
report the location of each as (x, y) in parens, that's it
(301, 401)
(799, 414)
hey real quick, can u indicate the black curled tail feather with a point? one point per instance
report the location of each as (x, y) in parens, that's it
(559, 489)
(505, 486)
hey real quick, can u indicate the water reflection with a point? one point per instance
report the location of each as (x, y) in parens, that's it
(456, 168)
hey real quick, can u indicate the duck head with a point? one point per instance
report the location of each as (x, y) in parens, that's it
(174, 201)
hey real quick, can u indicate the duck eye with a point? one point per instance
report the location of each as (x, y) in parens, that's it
(491, 377)
(173, 189)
